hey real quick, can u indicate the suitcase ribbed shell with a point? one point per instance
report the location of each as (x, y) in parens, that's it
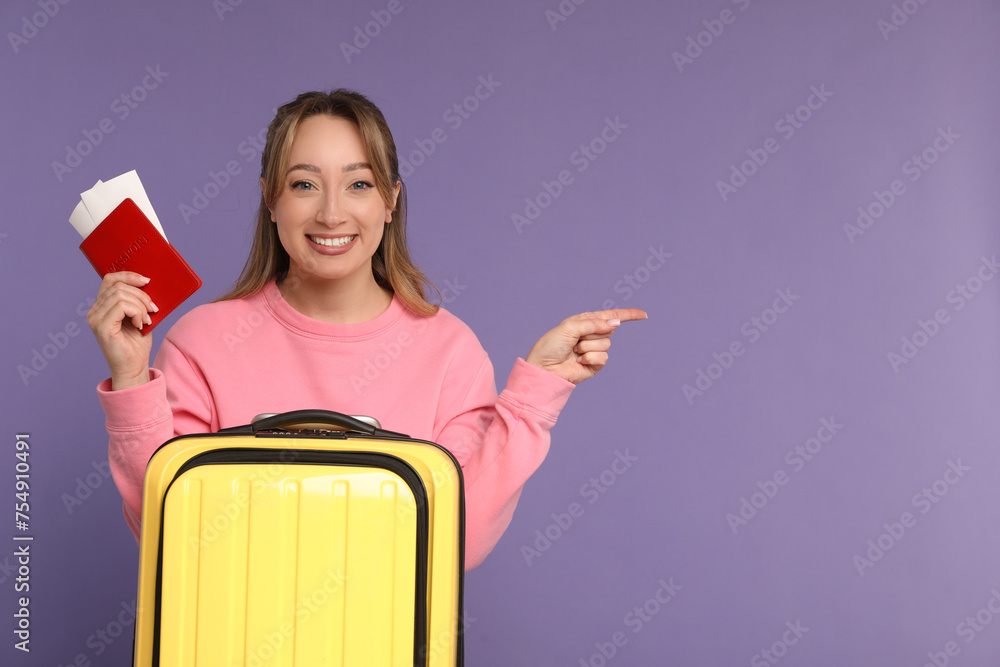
(298, 550)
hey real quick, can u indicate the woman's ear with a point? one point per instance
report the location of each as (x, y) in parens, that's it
(395, 197)
(265, 198)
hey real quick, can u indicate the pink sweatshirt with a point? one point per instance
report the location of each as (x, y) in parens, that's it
(223, 363)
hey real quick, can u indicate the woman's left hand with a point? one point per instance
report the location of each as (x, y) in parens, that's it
(578, 348)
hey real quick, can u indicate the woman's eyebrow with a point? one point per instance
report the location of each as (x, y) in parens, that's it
(355, 166)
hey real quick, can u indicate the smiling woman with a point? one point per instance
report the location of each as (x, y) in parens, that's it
(330, 220)
(330, 286)
(334, 151)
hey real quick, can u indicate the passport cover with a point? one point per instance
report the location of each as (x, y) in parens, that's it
(127, 241)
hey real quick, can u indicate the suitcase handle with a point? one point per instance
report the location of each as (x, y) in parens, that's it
(317, 419)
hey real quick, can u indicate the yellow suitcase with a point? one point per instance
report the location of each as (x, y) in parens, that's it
(307, 538)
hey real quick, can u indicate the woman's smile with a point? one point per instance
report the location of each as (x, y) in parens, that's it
(327, 243)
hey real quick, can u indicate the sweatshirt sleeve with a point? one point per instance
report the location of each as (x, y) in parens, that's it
(140, 419)
(500, 442)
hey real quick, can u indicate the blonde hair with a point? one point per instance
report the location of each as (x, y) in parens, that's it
(391, 264)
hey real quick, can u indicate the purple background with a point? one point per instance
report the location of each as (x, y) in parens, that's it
(654, 186)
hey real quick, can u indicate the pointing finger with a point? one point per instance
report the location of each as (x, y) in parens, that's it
(619, 314)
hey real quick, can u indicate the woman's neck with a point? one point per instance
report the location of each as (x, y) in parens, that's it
(335, 301)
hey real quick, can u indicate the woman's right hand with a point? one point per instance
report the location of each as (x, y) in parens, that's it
(116, 318)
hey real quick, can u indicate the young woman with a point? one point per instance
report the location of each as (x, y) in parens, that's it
(330, 313)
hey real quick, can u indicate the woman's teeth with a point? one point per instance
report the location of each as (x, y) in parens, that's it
(333, 243)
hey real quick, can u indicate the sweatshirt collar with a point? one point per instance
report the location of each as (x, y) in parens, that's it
(307, 326)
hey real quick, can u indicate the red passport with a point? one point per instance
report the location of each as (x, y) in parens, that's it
(127, 241)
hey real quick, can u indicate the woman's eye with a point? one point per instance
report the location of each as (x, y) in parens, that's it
(302, 185)
(361, 185)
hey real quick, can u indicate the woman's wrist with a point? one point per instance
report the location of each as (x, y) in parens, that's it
(119, 382)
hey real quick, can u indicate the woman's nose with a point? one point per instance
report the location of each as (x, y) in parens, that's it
(329, 212)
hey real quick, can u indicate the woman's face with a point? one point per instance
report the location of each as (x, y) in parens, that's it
(329, 213)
